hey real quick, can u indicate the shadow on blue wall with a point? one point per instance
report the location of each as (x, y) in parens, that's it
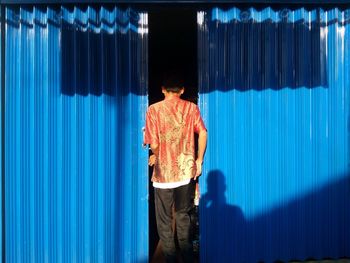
(103, 57)
(246, 54)
(314, 226)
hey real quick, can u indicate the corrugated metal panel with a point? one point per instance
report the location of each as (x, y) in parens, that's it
(176, 1)
(76, 174)
(274, 92)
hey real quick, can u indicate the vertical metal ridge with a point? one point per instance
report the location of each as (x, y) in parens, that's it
(2, 70)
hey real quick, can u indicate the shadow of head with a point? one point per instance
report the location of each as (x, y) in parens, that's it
(216, 188)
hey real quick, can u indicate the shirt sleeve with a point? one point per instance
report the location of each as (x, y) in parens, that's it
(151, 128)
(198, 122)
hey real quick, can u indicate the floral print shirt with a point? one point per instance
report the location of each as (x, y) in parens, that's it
(171, 125)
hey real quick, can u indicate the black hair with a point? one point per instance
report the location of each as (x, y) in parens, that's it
(173, 81)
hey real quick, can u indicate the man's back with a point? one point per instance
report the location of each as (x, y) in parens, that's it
(171, 125)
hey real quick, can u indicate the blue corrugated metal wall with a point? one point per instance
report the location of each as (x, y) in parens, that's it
(274, 93)
(76, 174)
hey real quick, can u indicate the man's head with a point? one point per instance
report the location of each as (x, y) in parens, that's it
(173, 83)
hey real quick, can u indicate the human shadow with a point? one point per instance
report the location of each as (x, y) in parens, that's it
(312, 226)
(218, 220)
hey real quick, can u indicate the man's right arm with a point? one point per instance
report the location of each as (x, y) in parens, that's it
(202, 145)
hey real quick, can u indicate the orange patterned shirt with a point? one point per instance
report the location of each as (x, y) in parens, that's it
(171, 124)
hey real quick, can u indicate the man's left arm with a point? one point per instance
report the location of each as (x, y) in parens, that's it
(151, 137)
(153, 158)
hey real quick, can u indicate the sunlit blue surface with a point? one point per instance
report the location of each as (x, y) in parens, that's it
(274, 93)
(76, 174)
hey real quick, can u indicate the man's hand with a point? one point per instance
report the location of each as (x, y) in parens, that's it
(199, 168)
(152, 160)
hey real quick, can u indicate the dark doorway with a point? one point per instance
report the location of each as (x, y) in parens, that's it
(172, 46)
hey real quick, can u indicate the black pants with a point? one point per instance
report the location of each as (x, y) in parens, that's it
(182, 199)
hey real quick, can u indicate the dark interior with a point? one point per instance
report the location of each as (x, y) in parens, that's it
(172, 46)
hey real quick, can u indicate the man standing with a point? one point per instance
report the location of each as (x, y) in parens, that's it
(170, 128)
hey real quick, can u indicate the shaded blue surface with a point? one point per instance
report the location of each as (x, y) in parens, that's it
(76, 174)
(274, 94)
(176, 1)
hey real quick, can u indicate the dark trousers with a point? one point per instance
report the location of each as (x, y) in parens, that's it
(182, 199)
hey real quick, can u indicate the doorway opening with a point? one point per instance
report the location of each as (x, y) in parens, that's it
(172, 46)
